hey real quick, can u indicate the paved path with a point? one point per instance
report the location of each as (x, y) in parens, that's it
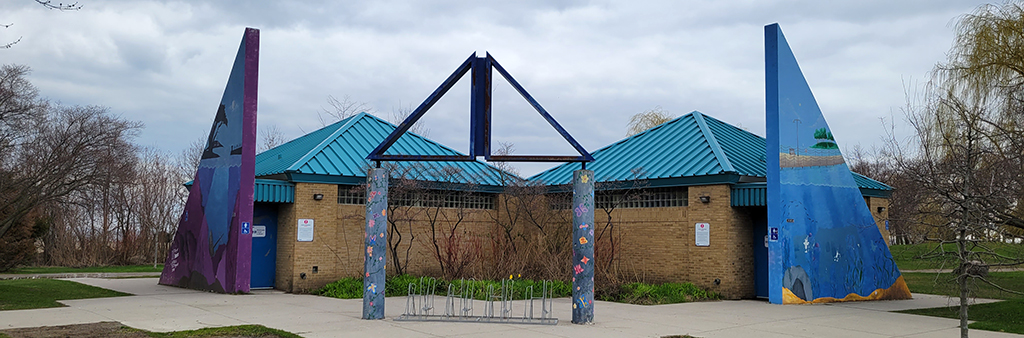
(163, 308)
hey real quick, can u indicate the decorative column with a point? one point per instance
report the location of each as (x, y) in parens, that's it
(375, 257)
(583, 246)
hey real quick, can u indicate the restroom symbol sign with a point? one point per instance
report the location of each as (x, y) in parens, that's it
(774, 234)
(245, 228)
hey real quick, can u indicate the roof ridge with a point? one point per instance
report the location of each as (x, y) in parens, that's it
(320, 146)
(439, 144)
(713, 142)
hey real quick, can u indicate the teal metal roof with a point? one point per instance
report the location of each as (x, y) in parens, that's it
(749, 195)
(337, 154)
(691, 149)
(756, 194)
(274, 191)
(691, 146)
(269, 191)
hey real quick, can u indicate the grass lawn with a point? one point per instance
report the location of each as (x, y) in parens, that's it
(61, 269)
(18, 294)
(943, 284)
(1007, 316)
(906, 256)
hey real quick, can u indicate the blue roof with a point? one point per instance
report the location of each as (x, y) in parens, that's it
(691, 149)
(337, 154)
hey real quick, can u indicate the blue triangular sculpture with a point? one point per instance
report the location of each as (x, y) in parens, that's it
(824, 245)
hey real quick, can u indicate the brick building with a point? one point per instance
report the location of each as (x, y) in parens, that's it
(663, 183)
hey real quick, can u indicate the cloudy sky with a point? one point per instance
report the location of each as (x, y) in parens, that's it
(591, 64)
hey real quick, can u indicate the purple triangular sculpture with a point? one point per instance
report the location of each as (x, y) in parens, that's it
(212, 247)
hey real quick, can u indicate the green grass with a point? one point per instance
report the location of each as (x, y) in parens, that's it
(18, 294)
(908, 257)
(635, 293)
(653, 294)
(227, 331)
(943, 284)
(352, 288)
(1006, 316)
(61, 269)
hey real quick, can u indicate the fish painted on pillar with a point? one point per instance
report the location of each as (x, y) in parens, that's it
(828, 246)
(212, 247)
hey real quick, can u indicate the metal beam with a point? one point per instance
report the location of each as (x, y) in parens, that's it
(448, 83)
(561, 131)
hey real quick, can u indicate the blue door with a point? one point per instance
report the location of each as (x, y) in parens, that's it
(760, 217)
(264, 246)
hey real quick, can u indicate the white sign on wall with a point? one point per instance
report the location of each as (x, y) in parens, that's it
(259, 231)
(305, 230)
(702, 232)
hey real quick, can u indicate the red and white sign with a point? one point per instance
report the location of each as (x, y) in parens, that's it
(305, 230)
(702, 234)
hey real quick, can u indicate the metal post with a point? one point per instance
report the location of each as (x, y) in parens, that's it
(375, 257)
(583, 246)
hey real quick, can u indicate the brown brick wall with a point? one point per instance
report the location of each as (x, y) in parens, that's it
(338, 239)
(655, 244)
(659, 244)
(880, 217)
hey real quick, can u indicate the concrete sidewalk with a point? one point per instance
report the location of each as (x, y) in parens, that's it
(162, 308)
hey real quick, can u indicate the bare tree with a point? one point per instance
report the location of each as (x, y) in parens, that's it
(74, 6)
(609, 196)
(340, 109)
(402, 215)
(446, 209)
(270, 137)
(646, 120)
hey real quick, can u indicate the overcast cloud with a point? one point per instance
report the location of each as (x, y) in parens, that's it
(592, 64)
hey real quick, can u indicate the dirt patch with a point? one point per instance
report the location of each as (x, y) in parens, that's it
(97, 330)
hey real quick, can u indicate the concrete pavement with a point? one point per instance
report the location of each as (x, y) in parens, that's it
(163, 308)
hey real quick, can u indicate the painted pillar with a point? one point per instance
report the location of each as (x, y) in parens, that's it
(583, 246)
(375, 239)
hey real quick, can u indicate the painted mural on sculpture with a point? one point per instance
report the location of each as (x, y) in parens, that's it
(375, 238)
(583, 246)
(824, 244)
(211, 249)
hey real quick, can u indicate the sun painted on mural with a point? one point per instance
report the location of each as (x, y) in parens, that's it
(829, 247)
(211, 249)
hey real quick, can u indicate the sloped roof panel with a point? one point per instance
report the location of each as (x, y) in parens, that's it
(680, 148)
(676, 148)
(341, 148)
(744, 149)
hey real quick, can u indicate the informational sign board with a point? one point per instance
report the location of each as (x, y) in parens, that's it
(305, 230)
(259, 231)
(702, 232)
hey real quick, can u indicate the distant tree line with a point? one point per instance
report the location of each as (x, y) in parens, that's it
(75, 188)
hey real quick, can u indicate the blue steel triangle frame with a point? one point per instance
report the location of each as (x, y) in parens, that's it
(480, 119)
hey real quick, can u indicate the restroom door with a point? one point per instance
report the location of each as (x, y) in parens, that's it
(760, 218)
(264, 246)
